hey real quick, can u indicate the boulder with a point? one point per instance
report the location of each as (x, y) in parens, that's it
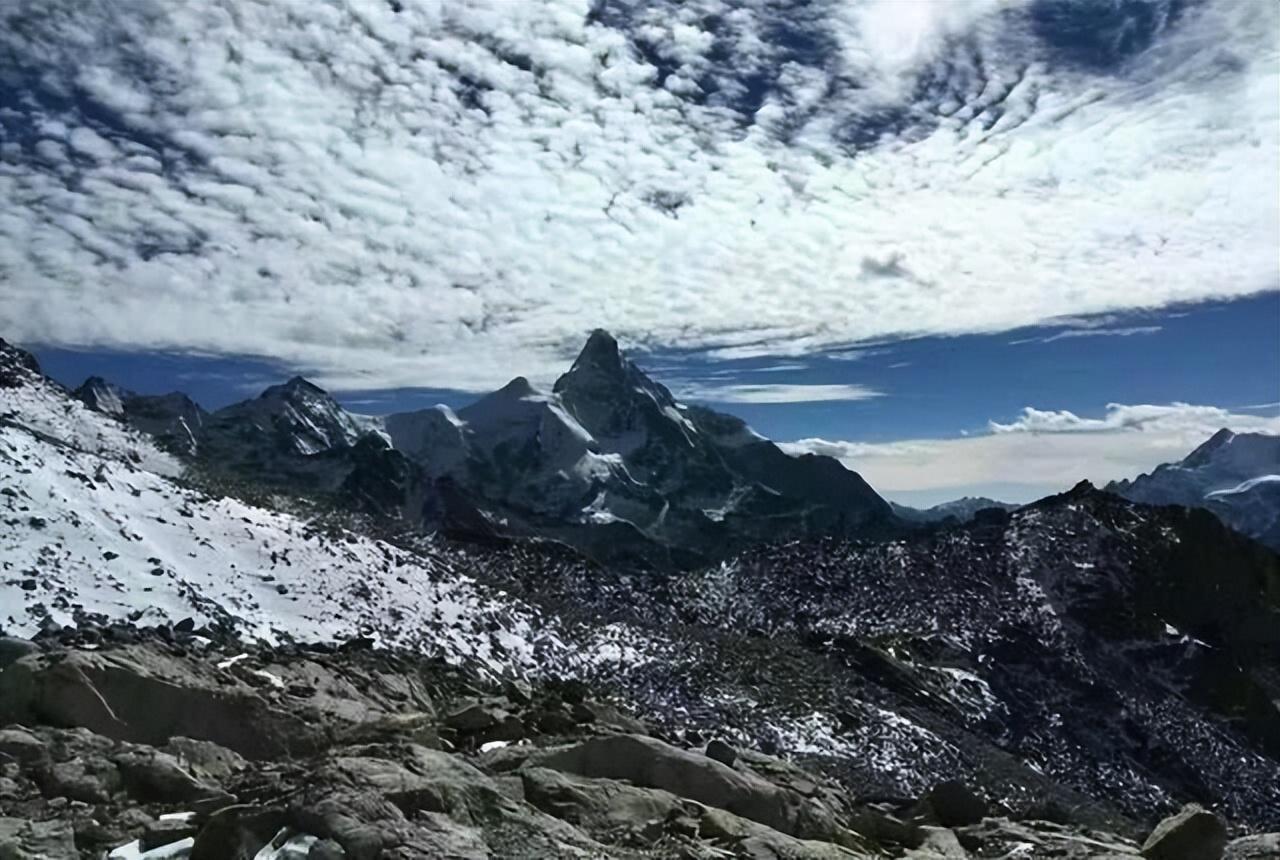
(1193, 833)
(143, 694)
(648, 762)
(954, 804)
(21, 839)
(22, 746)
(937, 843)
(166, 832)
(750, 839)
(149, 775)
(722, 752)
(1261, 846)
(607, 809)
(12, 650)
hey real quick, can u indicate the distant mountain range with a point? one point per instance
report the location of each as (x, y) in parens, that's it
(960, 510)
(607, 461)
(1235, 475)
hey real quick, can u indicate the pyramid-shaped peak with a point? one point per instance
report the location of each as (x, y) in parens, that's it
(100, 395)
(516, 388)
(294, 387)
(1207, 449)
(601, 351)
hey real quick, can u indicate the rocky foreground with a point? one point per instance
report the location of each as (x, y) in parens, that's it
(174, 742)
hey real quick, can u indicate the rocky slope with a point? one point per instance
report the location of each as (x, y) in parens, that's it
(1235, 475)
(157, 743)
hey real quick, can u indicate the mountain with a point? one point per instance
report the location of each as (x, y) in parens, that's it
(175, 420)
(1234, 475)
(960, 510)
(606, 461)
(610, 462)
(1083, 659)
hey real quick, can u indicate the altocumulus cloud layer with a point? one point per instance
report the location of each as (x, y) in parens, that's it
(400, 192)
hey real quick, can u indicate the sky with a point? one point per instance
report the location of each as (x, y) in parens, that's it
(969, 246)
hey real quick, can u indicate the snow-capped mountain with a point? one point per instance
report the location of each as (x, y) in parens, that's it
(175, 420)
(610, 462)
(962, 510)
(1235, 475)
(607, 461)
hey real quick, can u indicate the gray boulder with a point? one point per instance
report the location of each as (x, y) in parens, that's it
(21, 839)
(1193, 833)
(648, 762)
(12, 650)
(1261, 846)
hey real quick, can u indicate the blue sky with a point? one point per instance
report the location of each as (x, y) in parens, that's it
(1218, 354)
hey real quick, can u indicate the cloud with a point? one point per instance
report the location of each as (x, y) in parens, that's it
(1129, 331)
(443, 192)
(774, 393)
(1040, 452)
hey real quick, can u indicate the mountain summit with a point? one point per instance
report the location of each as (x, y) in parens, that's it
(1235, 475)
(610, 462)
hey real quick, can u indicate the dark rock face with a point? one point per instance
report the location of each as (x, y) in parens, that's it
(1192, 834)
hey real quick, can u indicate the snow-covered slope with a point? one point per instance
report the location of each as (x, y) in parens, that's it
(32, 401)
(1229, 474)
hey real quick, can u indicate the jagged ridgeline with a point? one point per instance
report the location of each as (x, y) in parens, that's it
(607, 462)
(1062, 675)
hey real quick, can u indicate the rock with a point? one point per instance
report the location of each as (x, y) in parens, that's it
(205, 759)
(238, 832)
(149, 775)
(142, 694)
(476, 717)
(326, 849)
(1193, 833)
(1262, 846)
(650, 763)
(12, 650)
(89, 779)
(954, 804)
(722, 752)
(518, 691)
(606, 809)
(937, 844)
(555, 720)
(21, 839)
(166, 832)
(750, 839)
(22, 746)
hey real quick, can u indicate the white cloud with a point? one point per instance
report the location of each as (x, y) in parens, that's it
(449, 193)
(1039, 453)
(1128, 331)
(774, 393)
